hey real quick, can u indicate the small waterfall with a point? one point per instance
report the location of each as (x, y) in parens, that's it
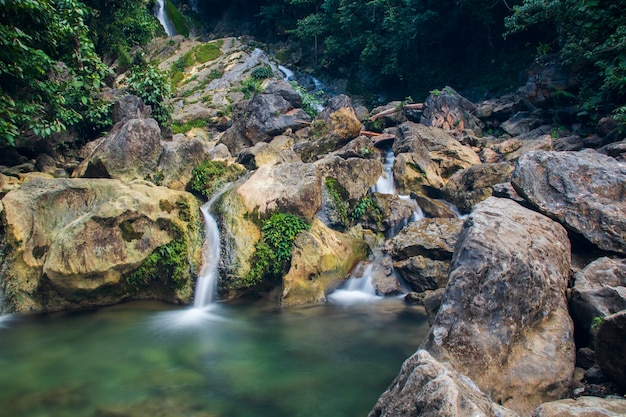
(358, 289)
(206, 286)
(164, 19)
(385, 183)
(289, 75)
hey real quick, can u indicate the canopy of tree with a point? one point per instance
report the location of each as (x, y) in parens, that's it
(51, 69)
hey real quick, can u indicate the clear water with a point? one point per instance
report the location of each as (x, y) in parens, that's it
(149, 359)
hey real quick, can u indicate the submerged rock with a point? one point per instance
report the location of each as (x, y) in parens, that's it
(504, 320)
(585, 191)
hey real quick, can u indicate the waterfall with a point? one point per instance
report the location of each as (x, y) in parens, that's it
(287, 73)
(206, 286)
(164, 19)
(358, 288)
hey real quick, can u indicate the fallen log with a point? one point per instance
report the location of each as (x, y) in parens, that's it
(410, 106)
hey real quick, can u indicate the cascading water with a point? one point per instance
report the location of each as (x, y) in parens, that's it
(206, 285)
(359, 288)
(161, 15)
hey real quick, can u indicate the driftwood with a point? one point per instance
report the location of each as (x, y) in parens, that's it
(411, 106)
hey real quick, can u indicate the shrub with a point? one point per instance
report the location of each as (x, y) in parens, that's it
(209, 176)
(262, 73)
(273, 252)
(147, 82)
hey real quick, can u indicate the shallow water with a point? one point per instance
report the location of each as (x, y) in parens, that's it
(150, 359)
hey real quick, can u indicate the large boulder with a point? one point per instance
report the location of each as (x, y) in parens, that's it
(585, 191)
(294, 188)
(76, 243)
(599, 291)
(428, 388)
(422, 252)
(448, 110)
(504, 320)
(583, 407)
(131, 151)
(426, 157)
(610, 344)
(333, 128)
(178, 160)
(321, 260)
(262, 118)
(239, 235)
(355, 175)
(474, 184)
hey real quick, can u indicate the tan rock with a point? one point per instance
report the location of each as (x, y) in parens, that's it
(321, 259)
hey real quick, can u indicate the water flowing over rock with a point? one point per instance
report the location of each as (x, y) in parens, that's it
(422, 252)
(449, 110)
(320, 261)
(610, 344)
(426, 157)
(504, 319)
(582, 407)
(599, 291)
(585, 191)
(428, 388)
(289, 187)
(74, 241)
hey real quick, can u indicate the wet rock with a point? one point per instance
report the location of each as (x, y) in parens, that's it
(130, 152)
(389, 215)
(585, 358)
(582, 407)
(432, 303)
(321, 260)
(361, 147)
(426, 387)
(288, 187)
(80, 238)
(474, 184)
(394, 118)
(594, 375)
(506, 322)
(433, 208)
(617, 150)
(355, 176)
(610, 344)
(585, 191)
(449, 110)
(599, 291)
(384, 280)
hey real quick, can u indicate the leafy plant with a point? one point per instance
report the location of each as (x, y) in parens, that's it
(336, 194)
(311, 101)
(209, 175)
(250, 87)
(364, 206)
(261, 73)
(168, 264)
(148, 83)
(273, 251)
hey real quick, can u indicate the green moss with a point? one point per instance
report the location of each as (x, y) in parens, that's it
(208, 51)
(178, 20)
(176, 77)
(128, 231)
(339, 196)
(208, 176)
(273, 252)
(187, 126)
(168, 264)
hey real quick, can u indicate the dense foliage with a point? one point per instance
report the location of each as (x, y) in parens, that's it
(273, 251)
(51, 68)
(590, 35)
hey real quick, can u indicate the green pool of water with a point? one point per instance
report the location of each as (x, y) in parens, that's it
(149, 359)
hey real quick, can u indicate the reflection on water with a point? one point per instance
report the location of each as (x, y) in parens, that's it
(148, 359)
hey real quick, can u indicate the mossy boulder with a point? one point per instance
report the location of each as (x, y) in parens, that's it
(74, 243)
(321, 260)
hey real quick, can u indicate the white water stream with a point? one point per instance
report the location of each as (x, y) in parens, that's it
(359, 288)
(164, 19)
